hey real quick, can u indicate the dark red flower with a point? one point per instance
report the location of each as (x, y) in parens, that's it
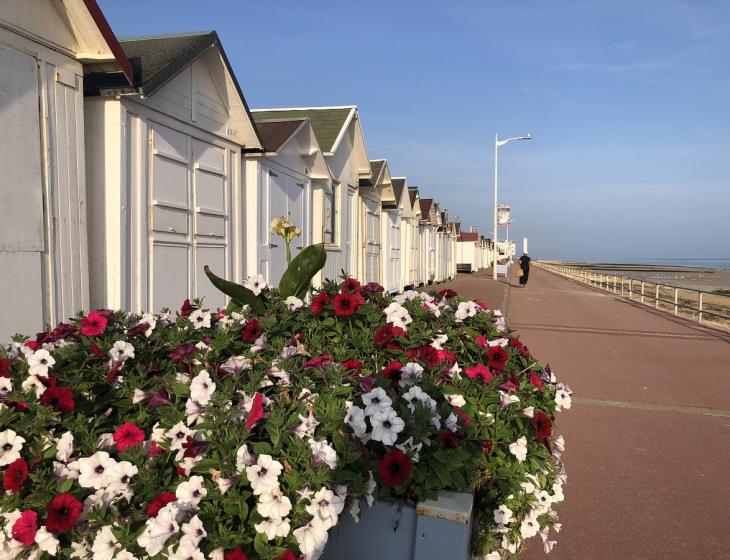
(483, 306)
(350, 286)
(465, 418)
(535, 380)
(162, 499)
(373, 288)
(63, 511)
(32, 344)
(138, 330)
(318, 363)
(4, 367)
(128, 435)
(318, 302)
(385, 337)
(160, 398)
(251, 331)
(487, 445)
(392, 372)
(479, 371)
(448, 440)
(497, 357)
(481, 341)
(395, 468)
(15, 475)
(63, 330)
(352, 363)
(515, 342)
(193, 448)
(20, 406)
(235, 554)
(154, 449)
(431, 357)
(447, 293)
(257, 410)
(25, 528)
(288, 555)
(182, 352)
(509, 385)
(542, 424)
(59, 398)
(186, 308)
(346, 304)
(93, 324)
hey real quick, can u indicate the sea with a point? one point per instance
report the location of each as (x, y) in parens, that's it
(721, 263)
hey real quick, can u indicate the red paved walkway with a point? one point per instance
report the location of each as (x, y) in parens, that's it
(648, 436)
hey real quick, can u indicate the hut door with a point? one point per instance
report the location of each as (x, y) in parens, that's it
(372, 242)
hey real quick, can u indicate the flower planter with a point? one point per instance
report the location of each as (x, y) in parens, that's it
(430, 530)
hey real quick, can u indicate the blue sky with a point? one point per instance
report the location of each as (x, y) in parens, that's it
(628, 101)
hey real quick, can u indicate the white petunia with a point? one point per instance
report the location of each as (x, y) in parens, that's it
(244, 458)
(355, 418)
(400, 318)
(202, 388)
(293, 303)
(65, 447)
(529, 411)
(119, 477)
(194, 412)
(411, 449)
(236, 364)
(493, 556)
(151, 321)
(200, 319)
(94, 470)
(264, 475)
(193, 532)
(465, 309)
(274, 503)
(307, 427)
(326, 506)
(455, 400)
(10, 446)
(158, 530)
(509, 545)
(40, 362)
(386, 426)
(376, 400)
(192, 490)
(311, 538)
(255, 283)
(105, 544)
(410, 374)
(46, 541)
(557, 492)
(519, 449)
(451, 423)
(178, 435)
(185, 552)
(121, 351)
(274, 527)
(6, 386)
(529, 526)
(506, 399)
(323, 453)
(562, 400)
(502, 515)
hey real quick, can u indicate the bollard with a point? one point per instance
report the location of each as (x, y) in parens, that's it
(656, 297)
(676, 301)
(699, 314)
(642, 291)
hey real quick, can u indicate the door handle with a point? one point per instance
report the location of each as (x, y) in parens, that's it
(272, 245)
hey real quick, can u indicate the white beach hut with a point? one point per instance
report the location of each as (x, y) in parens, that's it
(468, 252)
(415, 275)
(373, 193)
(335, 216)
(392, 222)
(281, 183)
(46, 48)
(407, 227)
(164, 177)
(429, 222)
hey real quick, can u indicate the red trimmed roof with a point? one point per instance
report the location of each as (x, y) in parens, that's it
(469, 236)
(426, 204)
(275, 133)
(106, 31)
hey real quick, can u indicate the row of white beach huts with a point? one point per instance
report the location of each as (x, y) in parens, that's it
(127, 165)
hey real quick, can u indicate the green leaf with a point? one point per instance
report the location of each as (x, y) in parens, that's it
(50, 452)
(66, 485)
(299, 274)
(236, 291)
(261, 544)
(180, 389)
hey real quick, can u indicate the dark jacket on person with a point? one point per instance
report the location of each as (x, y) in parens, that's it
(525, 262)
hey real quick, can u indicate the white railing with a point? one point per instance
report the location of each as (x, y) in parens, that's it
(698, 306)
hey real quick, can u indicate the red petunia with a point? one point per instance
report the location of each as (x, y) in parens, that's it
(447, 293)
(318, 302)
(25, 528)
(346, 304)
(448, 440)
(385, 337)
(162, 499)
(154, 449)
(319, 363)
(182, 352)
(15, 475)
(542, 424)
(257, 410)
(186, 308)
(392, 372)
(487, 445)
(288, 555)
(4, 367)
(431, 357)
(128, 435)
(497, 357)
(350, 286)
(63, 511)
(373, 288)
(59, 398)
(93, 324)
(235, 554)
(481, 341)
(352, 363)
(395, 468)
(479, 371)
(465, 418)
(32, 344)
(251, 331)
(535, 380)
(483, 306)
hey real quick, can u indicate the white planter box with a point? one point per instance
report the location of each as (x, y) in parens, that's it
(432, 530)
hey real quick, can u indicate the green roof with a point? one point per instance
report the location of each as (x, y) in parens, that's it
(326, 123)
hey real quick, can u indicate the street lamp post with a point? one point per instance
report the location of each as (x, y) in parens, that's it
(497, 144)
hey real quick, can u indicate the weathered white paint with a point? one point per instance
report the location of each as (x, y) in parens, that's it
(164, 184)
(391, 236)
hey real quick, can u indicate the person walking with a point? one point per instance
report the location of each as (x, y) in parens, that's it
(525, 266)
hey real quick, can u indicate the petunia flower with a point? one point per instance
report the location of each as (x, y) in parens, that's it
(395, 468)
(25, 528)
(15, 476)
(62, 512)
(94, 324)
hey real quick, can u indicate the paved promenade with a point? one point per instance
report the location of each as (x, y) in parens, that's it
(648, 436)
